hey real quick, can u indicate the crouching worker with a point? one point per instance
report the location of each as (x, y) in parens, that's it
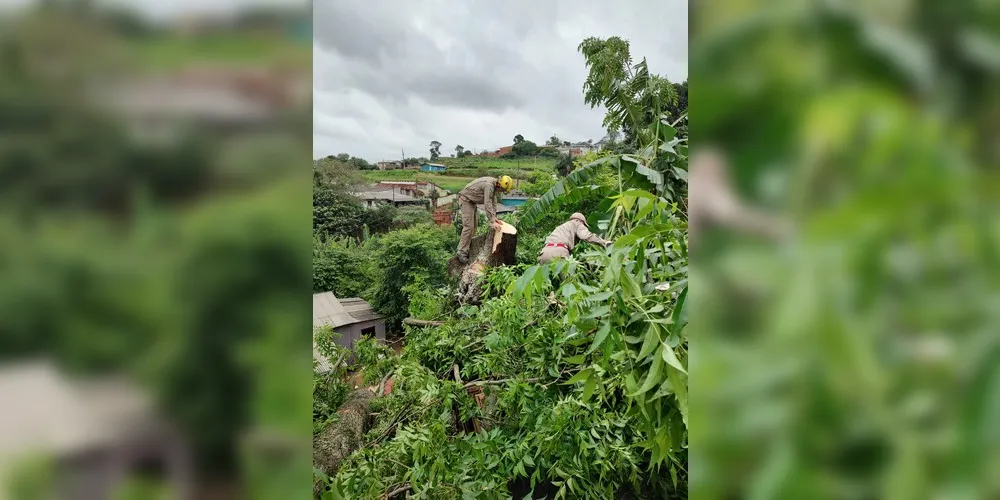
(563, 238)
(484, 191)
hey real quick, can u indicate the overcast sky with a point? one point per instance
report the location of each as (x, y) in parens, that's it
(391, 75)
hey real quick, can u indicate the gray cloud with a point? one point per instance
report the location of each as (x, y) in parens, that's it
(394, 74)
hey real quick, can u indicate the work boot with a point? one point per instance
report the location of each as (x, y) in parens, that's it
(463, 257)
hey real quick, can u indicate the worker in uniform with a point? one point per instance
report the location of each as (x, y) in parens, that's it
(484, 191)
(562, 239)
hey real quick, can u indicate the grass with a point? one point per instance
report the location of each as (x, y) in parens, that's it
(533, 163)
(170, 52)
(450, 182)
(461, 171)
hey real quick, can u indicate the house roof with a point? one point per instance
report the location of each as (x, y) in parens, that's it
(384, 195)
(46, 411)
(434, 165)
(501, 209)
(359, 309)
(328, 310)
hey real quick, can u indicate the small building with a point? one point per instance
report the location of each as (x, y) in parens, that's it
(415, 189)
(372, 199)
(433, 167)
(501, 209)
(96, 433)
(389, 165)
(514, 200)
(351, 318)
(502, 151)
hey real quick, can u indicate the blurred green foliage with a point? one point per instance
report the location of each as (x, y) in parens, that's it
(854, 360)
(166, 262)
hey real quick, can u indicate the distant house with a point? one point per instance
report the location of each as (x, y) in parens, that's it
(433, 167)
(514, 200)
(96, 433)
(576, 149)
(352, 318)
(502, 151)
(228, 101)
(501, 209)
(416, 189)
(389, 165)
(372, 199)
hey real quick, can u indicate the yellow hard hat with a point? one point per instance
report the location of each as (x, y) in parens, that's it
(505, 182)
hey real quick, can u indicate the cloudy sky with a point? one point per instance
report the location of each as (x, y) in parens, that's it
(392, 75)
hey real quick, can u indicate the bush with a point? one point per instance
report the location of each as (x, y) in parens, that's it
(343, 267)
(403, 257)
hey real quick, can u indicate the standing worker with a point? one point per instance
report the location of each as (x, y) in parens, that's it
(562, 239)
(482, 191)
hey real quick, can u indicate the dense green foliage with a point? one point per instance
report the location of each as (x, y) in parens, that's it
(159, 262)
(575, 371)
(379, 268)
(858, 358)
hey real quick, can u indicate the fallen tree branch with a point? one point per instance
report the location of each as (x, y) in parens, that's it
(402, 489)
(527, 380)
(454, 369)
(381, 384)
(395, 421)
(337, 440)
(421, 322)
(498, 382)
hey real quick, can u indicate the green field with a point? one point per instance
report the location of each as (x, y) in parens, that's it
(167, 53)
(461, 171)
(532, 164)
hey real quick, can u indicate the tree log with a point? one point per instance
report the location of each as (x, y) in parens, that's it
(335, 442)
(421, 322)
(486, 251)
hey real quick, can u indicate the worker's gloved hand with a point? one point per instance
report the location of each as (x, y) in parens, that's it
(497, 225)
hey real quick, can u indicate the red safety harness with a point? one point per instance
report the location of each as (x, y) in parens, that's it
(556, 245)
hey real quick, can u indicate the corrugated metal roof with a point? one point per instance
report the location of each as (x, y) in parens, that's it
(359, 309)
(383, 195)
(46, 411)
(327, 310)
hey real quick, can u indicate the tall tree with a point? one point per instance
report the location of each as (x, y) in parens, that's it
(518, 139)
(633, 97)
(459, 151)
(435, 150)
(553, 141)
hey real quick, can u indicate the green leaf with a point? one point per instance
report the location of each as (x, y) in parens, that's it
(652, 378)
(629, 285)
(599, 297)
(651, 340)
(602, 333)
(588, 388)
(670, 357)
(598, 312)
(678, 382)
(568, 290)
(521, 285)
(580, 376)
(576, 360)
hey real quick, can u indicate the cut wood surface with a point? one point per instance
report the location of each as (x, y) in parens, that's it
(492, 249)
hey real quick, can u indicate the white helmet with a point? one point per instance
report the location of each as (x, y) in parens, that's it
(578, 216)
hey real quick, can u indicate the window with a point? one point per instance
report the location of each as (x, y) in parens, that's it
(370, 331)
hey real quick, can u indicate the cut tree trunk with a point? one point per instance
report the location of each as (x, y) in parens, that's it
(486, 251)
(340, 438)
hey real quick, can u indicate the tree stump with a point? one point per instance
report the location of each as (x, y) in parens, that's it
(486, 251)
(340, 438)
